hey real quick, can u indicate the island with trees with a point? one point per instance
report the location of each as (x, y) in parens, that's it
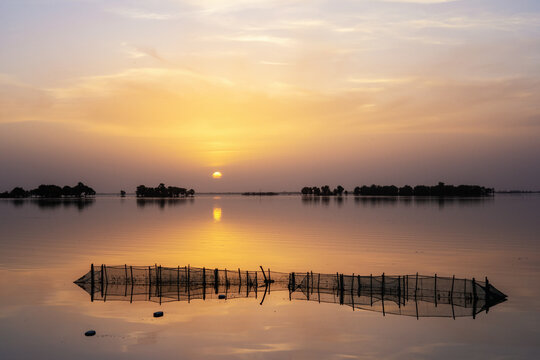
(162, 191)
(50, 191)
(323, 191)
(439, 190)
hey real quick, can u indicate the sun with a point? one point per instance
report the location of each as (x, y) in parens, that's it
(216, 175)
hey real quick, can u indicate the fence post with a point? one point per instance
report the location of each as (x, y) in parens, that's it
(382, 295)
(239, 281)
(102, 275)
(435, 290)
(92, 282)
(341, 290)
(319, 287)
(125, 280)
(307, 285)
(149, 283)
(371, 289)
(452, 288)
(399, 291)
(407, 287)
(204, 283)
(216, 280)
(487, 295)
(416, 286)
(106, 282)
(352, 291)
(160, 283)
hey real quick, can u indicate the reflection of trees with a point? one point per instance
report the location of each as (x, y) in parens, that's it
(51, 204)
(162, 202)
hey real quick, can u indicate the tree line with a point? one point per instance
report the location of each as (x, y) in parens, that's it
(163, 191)
(50, 191)
(441, 189)
(323, 191)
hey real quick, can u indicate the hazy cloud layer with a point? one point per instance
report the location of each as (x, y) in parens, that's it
(271, 93)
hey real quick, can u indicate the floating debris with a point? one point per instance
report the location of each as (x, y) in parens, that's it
(410, 295)
(90, 333)
(158, 314)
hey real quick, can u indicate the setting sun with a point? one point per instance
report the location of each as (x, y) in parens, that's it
(216, 175)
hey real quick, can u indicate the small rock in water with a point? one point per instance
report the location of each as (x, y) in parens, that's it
(158, 314)
(90, 333)
(221, 296)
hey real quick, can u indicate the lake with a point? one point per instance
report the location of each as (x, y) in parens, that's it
(46, 245)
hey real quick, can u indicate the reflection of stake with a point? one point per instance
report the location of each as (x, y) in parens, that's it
(264, 295)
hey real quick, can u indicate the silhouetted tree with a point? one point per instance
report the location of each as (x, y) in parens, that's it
(162, 191)
(122, 193)
(325, 190)
(406, 191)
(18, 192)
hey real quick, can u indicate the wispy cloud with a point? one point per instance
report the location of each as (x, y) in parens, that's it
(142, 14)
(282, 41)
(273, 63)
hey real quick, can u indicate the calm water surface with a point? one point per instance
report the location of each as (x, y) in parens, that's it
(45, 246)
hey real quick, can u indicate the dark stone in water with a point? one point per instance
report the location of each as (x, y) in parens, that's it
(158, 314)
(90, 333)
(221, 296)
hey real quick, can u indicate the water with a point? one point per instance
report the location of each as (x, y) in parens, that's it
(47, 245)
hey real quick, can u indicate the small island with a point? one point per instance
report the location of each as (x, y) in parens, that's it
(162, 191)
(50, 191)
(439, 190)
(260, 193)
(323, 191)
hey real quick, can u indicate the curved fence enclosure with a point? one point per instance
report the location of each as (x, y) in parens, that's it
(411, 295)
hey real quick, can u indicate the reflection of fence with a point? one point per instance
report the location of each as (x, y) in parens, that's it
(413, 295)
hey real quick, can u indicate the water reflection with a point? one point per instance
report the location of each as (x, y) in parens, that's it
(395, 200)
(163, 202)
(50, 204)
(217, 214)
(408, 295)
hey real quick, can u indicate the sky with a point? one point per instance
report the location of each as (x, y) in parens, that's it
(275, 95)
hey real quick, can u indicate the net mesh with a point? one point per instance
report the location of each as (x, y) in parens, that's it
(412, 295)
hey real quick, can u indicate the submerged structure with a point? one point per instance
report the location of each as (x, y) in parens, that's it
(411, 295)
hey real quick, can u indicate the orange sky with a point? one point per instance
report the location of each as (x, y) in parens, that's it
(275, 95)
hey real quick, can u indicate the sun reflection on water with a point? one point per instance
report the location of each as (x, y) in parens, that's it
(217, 214)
